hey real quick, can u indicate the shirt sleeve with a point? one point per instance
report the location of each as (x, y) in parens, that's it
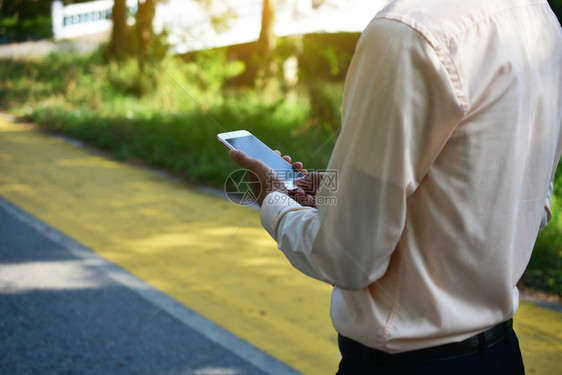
(399, 109)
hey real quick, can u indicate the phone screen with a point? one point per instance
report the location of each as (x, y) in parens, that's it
(257, 149)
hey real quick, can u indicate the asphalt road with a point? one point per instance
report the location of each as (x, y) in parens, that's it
(66, 310)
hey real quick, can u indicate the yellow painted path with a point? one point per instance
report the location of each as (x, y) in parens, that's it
(209, 254)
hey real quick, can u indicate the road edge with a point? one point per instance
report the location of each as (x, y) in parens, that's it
(162, 301)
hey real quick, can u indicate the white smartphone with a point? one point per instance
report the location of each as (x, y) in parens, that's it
(247, 142)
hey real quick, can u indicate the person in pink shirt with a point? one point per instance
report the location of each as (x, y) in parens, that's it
(444, 169)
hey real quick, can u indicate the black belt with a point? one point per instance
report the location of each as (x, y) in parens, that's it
(354, 350)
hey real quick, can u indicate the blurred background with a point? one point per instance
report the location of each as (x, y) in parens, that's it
(152, 82)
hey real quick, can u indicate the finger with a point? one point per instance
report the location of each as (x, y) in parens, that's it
(286, 157)
(299, 191)
(306, 200)
(297, 165)
(302, 182)
(246, 161)
(295, 194)
(263, 171)
(307, 188)
(318, 177)
(315, 177)
(239, 157)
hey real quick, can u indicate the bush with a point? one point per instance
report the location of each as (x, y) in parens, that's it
(325, 58)
(15, 29)
(545, 268)
(22, 20)
(173, 126)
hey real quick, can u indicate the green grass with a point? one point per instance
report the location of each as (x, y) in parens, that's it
(174, 124)
(171, 116)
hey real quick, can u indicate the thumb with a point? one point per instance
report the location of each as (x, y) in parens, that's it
(246, 161)
(239, 157)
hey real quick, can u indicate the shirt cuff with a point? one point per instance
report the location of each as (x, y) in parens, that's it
(273, 208)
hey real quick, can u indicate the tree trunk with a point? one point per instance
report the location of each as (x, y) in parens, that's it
(145, 33)
(119, 43)
(266, 41)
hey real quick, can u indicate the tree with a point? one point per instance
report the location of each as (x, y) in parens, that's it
(137, 41)
(266, 42)
(119, 42)
(145, 32)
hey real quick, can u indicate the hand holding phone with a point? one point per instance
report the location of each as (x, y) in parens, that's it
(305, 195)
(247, 142)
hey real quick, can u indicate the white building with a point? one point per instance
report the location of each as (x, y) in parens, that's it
(191, 25)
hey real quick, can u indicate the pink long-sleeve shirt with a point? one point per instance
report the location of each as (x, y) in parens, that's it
(441, 176)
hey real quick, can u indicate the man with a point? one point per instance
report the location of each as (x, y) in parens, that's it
(450, 140)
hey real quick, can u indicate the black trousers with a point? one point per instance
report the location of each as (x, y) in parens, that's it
(500, 358)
